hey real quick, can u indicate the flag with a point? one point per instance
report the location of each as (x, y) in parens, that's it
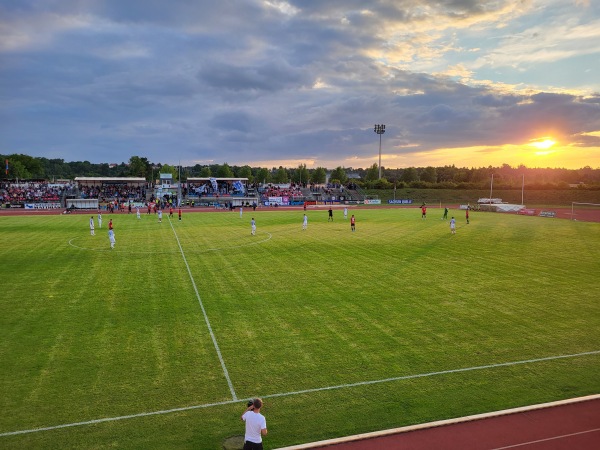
(215, 187)
(238, 186)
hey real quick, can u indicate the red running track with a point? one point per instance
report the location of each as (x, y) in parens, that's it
(572, 424)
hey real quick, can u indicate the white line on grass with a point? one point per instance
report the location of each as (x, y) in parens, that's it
(305, 391)
(431, 374)
(212, 335)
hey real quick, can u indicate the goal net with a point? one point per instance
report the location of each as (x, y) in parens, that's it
(586, 212)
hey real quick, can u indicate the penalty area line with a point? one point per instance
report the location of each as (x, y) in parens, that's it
(305, 391)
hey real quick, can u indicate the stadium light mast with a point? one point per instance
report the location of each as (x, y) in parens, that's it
(379, 129)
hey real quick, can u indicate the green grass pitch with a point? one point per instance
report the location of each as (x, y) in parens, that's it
(159, 342)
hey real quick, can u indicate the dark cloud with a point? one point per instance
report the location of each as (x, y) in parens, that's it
(242, 81)
(270, 76)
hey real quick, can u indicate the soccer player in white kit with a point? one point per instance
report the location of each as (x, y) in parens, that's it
(92, 226)
(137, 211)
(453, 226)
(111, 238)
(160, 216)
(345, 213)
(241, 211)
(253, 226)
(99, 219)
(305, 223)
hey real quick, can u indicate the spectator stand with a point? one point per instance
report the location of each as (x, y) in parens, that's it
(33, 194)
(219, 192)
(334, 193)
(281, 194)
(108, 193)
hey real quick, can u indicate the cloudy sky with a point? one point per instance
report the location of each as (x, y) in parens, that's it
(270, 83)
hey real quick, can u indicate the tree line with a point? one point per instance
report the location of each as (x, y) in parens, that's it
(26, 167)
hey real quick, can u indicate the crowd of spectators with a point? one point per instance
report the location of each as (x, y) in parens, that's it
(207, 190)
(121, 193)
(31, 192)
(110, 192)
(271, 190)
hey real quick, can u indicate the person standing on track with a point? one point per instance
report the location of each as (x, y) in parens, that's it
(256, 425)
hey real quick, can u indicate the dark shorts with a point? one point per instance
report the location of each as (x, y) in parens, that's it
(252, 446)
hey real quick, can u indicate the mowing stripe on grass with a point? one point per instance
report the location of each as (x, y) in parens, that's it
(212, 335)
(287, 394)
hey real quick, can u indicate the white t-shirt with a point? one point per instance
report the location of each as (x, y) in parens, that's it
(254, 423)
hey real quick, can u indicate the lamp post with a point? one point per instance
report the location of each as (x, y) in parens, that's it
(379, 129)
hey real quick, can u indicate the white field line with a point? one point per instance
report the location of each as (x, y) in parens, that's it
(287, 394)
(212, 335)
(431, 374)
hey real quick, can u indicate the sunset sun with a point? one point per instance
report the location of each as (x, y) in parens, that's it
(543, 146)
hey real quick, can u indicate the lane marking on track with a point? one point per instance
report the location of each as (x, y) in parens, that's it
(546, 440)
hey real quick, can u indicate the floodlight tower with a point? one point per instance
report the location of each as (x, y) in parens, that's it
(379, 129)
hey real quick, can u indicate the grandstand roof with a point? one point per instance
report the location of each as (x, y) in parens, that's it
(94, 180)
(218, 179)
